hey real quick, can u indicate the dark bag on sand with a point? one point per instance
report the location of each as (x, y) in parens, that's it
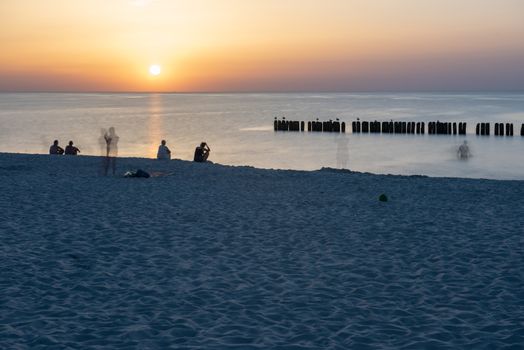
(138, 173)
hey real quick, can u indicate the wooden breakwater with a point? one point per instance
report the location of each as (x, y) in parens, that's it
(391, 127)
(312, 126)
(394, 127)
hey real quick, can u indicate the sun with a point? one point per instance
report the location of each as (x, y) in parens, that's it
(155, 69)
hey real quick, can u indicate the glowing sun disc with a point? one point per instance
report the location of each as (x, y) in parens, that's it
(155, 69)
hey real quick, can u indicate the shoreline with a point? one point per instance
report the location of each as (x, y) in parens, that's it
(128, 161)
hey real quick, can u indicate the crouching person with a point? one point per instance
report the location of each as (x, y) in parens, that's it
(202, 153)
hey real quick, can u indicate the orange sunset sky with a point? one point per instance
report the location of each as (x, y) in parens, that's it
(270, 45)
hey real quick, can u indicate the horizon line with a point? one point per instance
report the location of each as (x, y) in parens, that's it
(260, 92)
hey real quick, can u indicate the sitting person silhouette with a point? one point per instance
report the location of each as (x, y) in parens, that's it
(71, 150)
(202, 153)
(163, 151)
(55, 149)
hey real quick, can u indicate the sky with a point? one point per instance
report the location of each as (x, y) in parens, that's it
(270, 45)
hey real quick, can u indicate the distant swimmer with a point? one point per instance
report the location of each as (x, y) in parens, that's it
(202, 153)
(55, 149)
(463, 151)
(71, 150)
(163, 151)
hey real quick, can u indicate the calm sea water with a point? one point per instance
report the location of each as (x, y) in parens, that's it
(239, 129)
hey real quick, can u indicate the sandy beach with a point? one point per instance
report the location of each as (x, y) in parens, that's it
(205, 256)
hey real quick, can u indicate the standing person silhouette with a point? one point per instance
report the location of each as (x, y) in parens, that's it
(342, 152)
(111, 139)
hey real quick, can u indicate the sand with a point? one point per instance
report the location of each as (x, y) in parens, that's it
(205, 256)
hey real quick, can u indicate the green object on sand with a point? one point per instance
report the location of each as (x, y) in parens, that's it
(383, 198)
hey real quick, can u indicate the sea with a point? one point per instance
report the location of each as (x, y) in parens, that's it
(239, 129)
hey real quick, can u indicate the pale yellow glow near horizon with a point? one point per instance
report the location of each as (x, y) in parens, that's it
(221, 45)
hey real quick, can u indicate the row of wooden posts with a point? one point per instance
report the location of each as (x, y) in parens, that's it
(314, 126)
(500, 128)
(391, 127)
